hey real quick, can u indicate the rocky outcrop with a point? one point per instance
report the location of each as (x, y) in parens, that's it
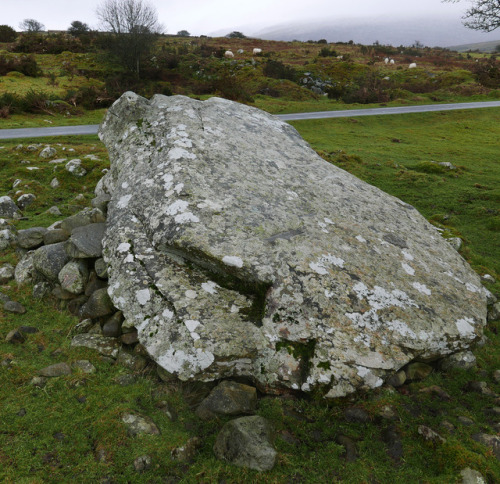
(235, 250)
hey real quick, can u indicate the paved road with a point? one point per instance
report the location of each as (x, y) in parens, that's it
(92, 128)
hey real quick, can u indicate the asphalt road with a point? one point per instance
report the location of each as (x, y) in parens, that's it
(92, 128)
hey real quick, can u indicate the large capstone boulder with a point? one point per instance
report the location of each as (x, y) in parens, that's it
(236, 250)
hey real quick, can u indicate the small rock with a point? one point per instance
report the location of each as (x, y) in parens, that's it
(187, 452)
(112, 327)
(490, 441)
(131, 361)
(129, 338)
(455, 242)
(21, 412)
(436, 390)
(28, 329)
(55, 236)
(94, 283)
(50, 259)
(142, 463)
(38, 381)
(488, 278)
(429, 434)
(31, 238)
(86, 242)
(465, 421)
(73, 276)
(83, 326)
(101, 268)
(105, 346)
(397, 380)
(84, 366)
(75, 168)
(25, 269)
(494, 312)
(448, 165)
(139, 425)
(84, 217)
(470, 476)
(496, 376)
(6, 273)
(25, 200)
(392, 438)
(247, 442)
(418, 371)
(228, 398)
(448, 426)
(463, 360)
(388, 412)
(54, 183)
(14, 307)
(479, 387)
(126, 380)
(15, 337)
(8, 209)
(48, 152)
(59, 369)
(98, 305)
(350, 452)
(7, 237)
(356, 414)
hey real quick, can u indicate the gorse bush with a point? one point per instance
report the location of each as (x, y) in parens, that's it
(26, 64)
(278, 70)
(7, 33)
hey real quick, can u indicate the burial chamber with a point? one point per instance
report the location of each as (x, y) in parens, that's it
(235, 250)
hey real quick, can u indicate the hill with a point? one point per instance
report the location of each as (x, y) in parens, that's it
(478, 46)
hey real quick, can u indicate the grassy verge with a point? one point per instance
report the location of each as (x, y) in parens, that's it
(71, 429)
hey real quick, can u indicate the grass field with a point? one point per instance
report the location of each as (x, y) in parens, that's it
(70, 430)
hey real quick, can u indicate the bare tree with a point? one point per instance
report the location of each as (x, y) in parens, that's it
(482, 15)
(31, 25)
(134, 27)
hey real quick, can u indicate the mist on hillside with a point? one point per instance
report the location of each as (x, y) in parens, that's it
(431, 31)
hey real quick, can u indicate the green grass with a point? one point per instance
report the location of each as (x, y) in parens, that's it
(46, 120)
(72, 429)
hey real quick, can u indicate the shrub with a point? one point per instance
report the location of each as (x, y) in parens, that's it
(278, 70)
(7, 33)
(26, 64)
(327, 52)
(487, 72)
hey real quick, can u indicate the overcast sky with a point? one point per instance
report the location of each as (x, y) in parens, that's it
(207, 16)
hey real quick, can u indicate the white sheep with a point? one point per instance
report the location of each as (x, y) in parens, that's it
(392, 62)
(228, 54)
(386, 60)
(413, 65)
(240, 51)
(257, 51)
(340, 57)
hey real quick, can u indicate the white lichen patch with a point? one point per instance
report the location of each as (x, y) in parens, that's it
(124, 201)
(186, 217)
(401, 328)
(129, 258)
(360, 239)
(422, 288)
(371, 380)
(210, 287)
(123, 247)
(320, 265)
(179, 206)
(191, 324)
(190, 294)
(465, 327)
(380, 298)
(472, 288)
(143, 296)
(177, 153)
(183, 364)
(408, 269)
(407, 255)
(233, 261)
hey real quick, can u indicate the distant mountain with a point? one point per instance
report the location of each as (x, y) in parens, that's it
(430, 31)
(480, 46)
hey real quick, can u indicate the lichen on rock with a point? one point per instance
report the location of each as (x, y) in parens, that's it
(235, 250)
